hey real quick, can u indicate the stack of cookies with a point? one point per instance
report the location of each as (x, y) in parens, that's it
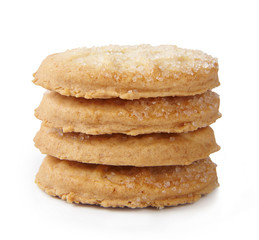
(128, 126)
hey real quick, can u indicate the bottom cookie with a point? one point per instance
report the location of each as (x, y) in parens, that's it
(122, 186)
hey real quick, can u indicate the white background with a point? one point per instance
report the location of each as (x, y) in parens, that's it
(228, 30)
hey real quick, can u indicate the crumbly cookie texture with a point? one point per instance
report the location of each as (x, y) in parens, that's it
(131, 117)
(119, 149)
(113, 186)
(128, 72)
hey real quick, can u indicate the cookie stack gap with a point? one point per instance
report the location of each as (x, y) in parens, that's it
(128, 126)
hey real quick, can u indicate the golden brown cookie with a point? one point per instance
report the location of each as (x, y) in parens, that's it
(128, 72)
(113, 186)
(131, 117)
(118, 149)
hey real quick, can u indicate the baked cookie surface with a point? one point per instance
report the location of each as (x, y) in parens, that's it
(113, 186)
(131, 117)
(128, 72)
(119, 149)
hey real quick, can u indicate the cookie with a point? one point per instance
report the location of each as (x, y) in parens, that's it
(113, 186)
(118, 149)
(128, 72)
(131, 117)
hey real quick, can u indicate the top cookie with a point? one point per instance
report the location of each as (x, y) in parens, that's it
(128, 72)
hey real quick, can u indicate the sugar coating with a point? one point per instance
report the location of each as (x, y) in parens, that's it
(143, 59)
(167, 178)
(128, 72)
(166, 106)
